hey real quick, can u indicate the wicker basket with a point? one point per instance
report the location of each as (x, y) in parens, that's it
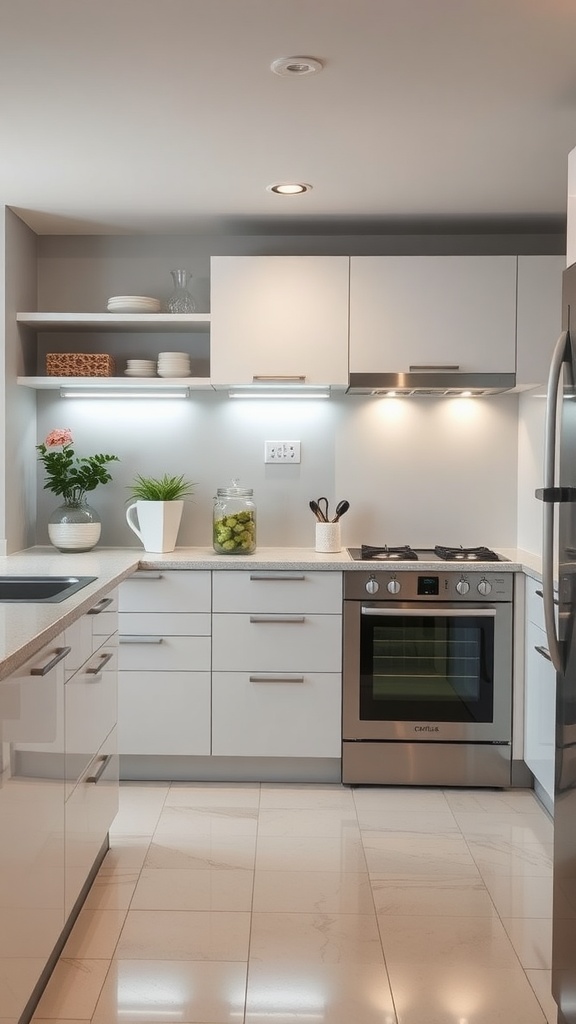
(79, 364)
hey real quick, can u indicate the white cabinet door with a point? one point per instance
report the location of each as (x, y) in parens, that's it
(539, 316)
(276, 642)
(539, 709)
(279, 317)
(414, 311)
(164, 713)
(280, 591)
(91, 702)
(166, 591)
(276, 715)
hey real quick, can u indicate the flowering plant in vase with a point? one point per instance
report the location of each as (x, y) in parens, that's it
(74, 526)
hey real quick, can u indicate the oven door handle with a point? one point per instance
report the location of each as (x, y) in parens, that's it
(427, 610)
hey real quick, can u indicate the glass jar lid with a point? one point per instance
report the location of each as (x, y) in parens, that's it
(235, 491)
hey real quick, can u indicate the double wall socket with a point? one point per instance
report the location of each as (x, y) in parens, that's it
(282, 451)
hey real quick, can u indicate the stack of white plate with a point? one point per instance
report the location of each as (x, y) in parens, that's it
(174, 364)
(133, 304)
(140, 368)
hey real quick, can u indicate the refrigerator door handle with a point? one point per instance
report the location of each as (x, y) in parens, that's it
(559, 357)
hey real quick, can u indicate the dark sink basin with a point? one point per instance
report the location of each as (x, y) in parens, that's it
(41, 589)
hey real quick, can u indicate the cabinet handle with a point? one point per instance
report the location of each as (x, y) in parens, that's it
(61, 653)
(276, 679)
(104, 659)
(141, 639)
(434, 366)
(104, 762)
(544, 653)
(277, 576)
(277, 618)
(284, 378)
(100, 606)
(539, 593)
(144, 575)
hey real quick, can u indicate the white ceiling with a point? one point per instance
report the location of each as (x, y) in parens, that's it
(164, 116)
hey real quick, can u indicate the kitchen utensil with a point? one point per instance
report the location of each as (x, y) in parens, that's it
(323, 506)
(341, 508)
(317, 511)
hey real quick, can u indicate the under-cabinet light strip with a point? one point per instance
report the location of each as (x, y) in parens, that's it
(78, 391)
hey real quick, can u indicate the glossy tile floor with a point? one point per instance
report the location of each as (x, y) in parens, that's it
(250, 904)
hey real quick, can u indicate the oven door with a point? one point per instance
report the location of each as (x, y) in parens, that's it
(427, 671)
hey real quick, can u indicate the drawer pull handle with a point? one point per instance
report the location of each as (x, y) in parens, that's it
(61, 653)
(298, 378)
(540, 594)
(104, 762)
(100, 606)
(277, 618)
(430, 367)
(104, 659)
(277, 576)
(276, 679)
(141, 639)
(144, 576)
(544, 653)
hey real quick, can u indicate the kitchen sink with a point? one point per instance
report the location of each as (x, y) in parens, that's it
(41, 589)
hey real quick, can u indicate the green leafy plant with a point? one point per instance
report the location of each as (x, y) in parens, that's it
(165, 488)
(67, 474)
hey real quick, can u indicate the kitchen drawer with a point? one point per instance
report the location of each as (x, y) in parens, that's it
(535, 603)
(277, 642)
(282, 591)
(539, 709)
(89, 812)
(161, 652)
(166, 591)
(164, 713)
(104, 617)
(165, 623)
(257, 715)
(91, 709)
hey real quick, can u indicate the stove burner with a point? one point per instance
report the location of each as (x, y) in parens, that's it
(466, 554)
(386, 554)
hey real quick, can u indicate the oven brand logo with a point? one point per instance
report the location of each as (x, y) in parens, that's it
(426, 728)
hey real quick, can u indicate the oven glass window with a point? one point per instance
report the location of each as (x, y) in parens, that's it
(432, 668)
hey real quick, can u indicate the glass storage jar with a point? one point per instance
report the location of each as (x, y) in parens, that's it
(234, 520)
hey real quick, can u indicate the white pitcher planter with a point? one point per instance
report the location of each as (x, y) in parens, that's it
(156, 523)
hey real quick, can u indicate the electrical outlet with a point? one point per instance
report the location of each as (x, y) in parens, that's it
(282, 451)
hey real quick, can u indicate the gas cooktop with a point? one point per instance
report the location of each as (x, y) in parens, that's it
(440, 553)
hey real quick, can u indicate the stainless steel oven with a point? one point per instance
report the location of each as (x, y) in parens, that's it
(427, 688)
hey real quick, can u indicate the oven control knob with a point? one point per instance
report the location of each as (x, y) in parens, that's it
(484, 588)
(393, 587)
(462, 587)
(372, 586)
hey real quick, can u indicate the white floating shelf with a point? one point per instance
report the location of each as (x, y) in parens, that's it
(125, 383)
(160, 322)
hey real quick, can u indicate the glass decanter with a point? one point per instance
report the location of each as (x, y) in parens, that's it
(181, 300)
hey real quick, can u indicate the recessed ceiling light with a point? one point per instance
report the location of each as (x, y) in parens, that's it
(295, 67)
(289, 188)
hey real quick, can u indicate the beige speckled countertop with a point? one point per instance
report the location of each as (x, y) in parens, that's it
(26, 628)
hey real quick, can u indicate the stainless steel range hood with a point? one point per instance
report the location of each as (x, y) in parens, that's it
(433, 383)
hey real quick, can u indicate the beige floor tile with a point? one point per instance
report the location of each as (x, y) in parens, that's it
(428, 897)
(207, 821)
(202, 852)
(53, 1020)
(407, 855)
(307, 892)
(183, 889)
(541, 982)
(321, 797)
(184, 935)
(73, 989)
(322, 822)
(439, 823)
(517, 828)
(213, 794)
(399, 798)
(162, 992)
(446, 940)
(126, 853)
(532, 940)
(308, 853)
(520, 895)
(112, 890)
(451, 994)
(343, 993)
(315, 938)
(95, 934)
(509, 801)
(494, 856)
(140, 807)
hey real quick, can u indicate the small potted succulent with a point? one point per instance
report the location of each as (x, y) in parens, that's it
(156, 509)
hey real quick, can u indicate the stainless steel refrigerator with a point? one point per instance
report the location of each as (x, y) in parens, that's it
(559, 535)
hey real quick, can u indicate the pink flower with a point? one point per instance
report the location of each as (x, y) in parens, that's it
(59, 438)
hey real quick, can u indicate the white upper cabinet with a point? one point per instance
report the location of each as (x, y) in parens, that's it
(281, 318)
(539, 316)
(410, 312)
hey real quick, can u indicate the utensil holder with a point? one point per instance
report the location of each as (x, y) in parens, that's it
(328, 537)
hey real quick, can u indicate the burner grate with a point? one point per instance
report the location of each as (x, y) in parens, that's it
(386, 554)
(465, 554)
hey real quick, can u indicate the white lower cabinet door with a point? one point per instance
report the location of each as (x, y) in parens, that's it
(89, 812)
(539, 709)
(276, 714)
(163, 653)
(91, 701)
(164, 713)
(277, 642)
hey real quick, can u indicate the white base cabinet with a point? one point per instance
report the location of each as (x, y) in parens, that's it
(539, 695)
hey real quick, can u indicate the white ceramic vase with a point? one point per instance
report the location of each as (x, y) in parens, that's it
(156, 523)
